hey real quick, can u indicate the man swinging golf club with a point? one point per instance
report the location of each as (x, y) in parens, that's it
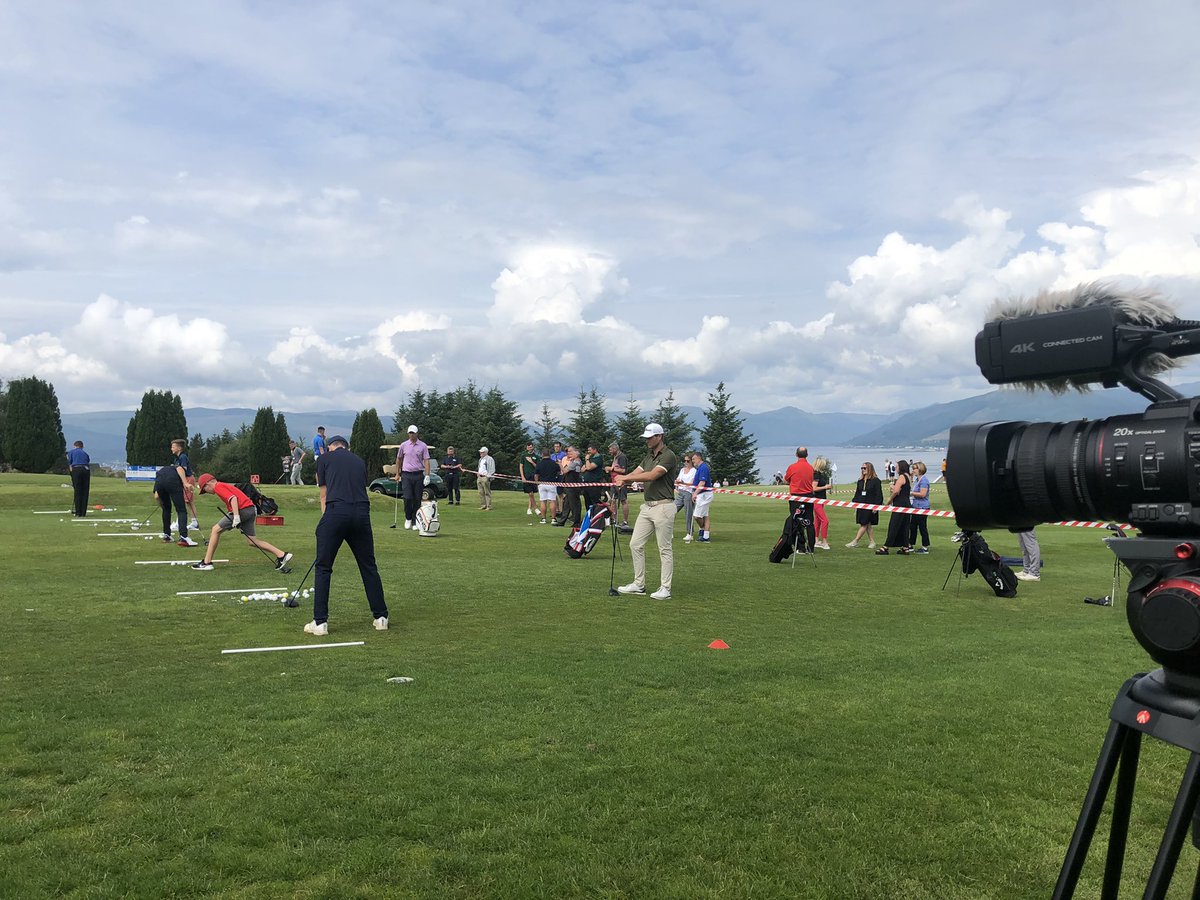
(241, 514)
(345, 519)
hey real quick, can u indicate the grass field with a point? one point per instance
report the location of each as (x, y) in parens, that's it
(867, 735)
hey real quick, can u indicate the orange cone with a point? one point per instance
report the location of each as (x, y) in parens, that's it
(718, 644)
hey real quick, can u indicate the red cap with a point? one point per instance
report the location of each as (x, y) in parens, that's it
(205, 479)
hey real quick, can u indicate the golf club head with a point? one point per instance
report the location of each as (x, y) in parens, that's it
(613, 592)
(393, 525)
(291, 603)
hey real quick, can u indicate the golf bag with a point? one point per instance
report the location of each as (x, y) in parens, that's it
(266, 506)
(583, 539)
(427, 522)
(798, 536)
(977, 556)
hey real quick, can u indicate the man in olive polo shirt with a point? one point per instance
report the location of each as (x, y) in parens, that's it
(657, 516)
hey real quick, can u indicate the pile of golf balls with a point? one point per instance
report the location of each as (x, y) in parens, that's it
(275, 596)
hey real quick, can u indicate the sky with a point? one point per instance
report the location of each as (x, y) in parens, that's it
(325, 206)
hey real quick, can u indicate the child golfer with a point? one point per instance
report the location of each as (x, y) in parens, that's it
(241, 514)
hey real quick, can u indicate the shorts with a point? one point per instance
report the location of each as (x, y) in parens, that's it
(529, 487)
(621, 494)
(703, 502)
(547, 492)
(248, 514)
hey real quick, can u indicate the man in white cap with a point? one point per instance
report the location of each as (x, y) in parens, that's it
(487, 468)
(412, 468)
(657, 473)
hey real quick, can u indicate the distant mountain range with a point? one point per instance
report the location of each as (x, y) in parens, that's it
(103, 433)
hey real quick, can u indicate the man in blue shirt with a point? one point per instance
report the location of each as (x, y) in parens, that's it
(319, 443)
(452, 473)
(188, 477)
(702, 485)
(81, 477)
(345, 518)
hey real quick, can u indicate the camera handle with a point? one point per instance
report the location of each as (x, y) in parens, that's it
(1145, 704)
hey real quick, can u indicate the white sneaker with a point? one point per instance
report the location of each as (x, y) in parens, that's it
(687, 538)
(1029, 576)
(630, 589)
(661, 594)
(542, 521)
(380, 623)
(871, 546)
(408, 523)
(822, 545)
(193, 525)
(187, 542)
(529, 512)
(852, 544)
(319, 630)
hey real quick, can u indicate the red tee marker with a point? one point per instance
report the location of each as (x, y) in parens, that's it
(718, 644)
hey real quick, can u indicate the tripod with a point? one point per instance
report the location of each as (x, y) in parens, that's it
(1145, 704)
(804, 537)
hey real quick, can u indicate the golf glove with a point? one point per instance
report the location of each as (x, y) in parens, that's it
(426, 481)
(237, 520)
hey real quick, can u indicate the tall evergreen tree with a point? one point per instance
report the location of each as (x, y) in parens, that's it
(158, 421)
(462, 423)
(33, 436)
(677, 427)
(589, 420)
(730, 451)
(268, 446)
(629, 427)
(3, 417)
(365, 439)
(547, 429)
(503, 433)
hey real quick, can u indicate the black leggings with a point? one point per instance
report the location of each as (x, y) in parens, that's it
(921, 524)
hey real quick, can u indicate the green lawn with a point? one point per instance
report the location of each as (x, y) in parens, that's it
(867, 735)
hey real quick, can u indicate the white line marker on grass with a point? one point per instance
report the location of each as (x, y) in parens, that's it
(295, 647)
(234, 591)
(95, 521)
(51, 512)
(172, 562)
(138, 534)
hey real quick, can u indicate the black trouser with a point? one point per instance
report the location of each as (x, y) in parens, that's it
(81, 480)
(410, 489)
(571, 502)
(175, 498)
(453, 495)
(592, 495)
(921, 524)
(350, 525)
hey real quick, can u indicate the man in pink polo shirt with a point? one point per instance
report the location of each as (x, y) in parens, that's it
(412, 468)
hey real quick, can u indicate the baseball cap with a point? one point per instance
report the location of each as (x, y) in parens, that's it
(336, 439)
(652, 429)
(483, 449)
(206, 478)
(413, 429)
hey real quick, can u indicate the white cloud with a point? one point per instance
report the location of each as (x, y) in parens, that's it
(553, 283)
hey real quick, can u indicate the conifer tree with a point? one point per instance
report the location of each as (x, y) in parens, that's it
(3, 416)
(730, 451)
(677, 427)
(589, 420)
(158, 421)
(503, 433)
(547, 429)
(268, 446)
(629, 427)
(33, 436)
(365, 439)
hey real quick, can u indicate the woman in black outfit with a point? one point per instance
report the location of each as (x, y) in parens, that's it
(900, 523)
(869, 490)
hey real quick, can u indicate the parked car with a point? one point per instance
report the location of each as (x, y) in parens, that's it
(435, 490)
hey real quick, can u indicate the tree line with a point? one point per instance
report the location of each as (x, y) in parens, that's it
(31, 436)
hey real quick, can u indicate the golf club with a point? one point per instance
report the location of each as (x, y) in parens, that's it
(286, 570)
(395, 509)
(293, 599)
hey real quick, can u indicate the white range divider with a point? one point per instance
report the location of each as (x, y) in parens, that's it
(135, 534)
(295, 647)
(96, 522)
(52, 512)
(172, 562)
(230, 591)
(840, 504)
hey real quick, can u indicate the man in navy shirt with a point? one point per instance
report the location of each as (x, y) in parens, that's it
(188, 478)
(345, 518)
(81, 477)
(452, 472)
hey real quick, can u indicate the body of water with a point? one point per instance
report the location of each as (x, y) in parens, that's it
(847, 459)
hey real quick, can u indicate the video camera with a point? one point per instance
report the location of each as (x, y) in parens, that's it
(1142, 468)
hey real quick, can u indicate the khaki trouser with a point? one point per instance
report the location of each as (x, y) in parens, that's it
(657, 517)
(485, 492)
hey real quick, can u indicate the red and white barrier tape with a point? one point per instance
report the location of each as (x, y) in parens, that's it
(841, 504)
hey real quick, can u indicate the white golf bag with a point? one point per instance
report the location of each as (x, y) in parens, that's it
(427, 521)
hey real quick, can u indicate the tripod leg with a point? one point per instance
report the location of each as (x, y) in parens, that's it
(1176, 831)
(1122, 805)
(1093, 804)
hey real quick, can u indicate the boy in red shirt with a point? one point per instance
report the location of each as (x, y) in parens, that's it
(242, 514)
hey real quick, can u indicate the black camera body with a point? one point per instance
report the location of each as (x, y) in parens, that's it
(1143, 469)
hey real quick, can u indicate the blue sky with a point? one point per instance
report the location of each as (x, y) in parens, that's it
(322, 206)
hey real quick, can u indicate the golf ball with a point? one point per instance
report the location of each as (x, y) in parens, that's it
(244, 599)
(63, 520)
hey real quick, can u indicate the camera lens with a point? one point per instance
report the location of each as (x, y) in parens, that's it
(1142, 468)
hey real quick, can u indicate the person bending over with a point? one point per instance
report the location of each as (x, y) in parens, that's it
(241, 514)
